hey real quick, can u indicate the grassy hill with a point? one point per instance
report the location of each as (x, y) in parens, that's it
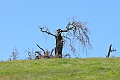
(61, 69)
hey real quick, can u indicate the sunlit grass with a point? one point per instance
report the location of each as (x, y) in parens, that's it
(61, 69)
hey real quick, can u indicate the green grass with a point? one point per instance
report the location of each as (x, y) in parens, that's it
(61, 69)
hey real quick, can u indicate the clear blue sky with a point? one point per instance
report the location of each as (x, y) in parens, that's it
(19, 20)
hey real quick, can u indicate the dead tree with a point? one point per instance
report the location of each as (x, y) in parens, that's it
(76, 29)
(110, 50)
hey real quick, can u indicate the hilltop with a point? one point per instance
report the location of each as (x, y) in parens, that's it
(61, 69)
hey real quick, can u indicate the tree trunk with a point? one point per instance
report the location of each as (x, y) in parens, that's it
(59, 44)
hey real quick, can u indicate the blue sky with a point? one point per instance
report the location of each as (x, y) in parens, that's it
(19, 20)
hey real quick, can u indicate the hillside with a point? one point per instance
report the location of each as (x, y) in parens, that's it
(61, 69)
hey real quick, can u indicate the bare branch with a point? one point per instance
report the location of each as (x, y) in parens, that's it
(52, 51)
(46, 31)
(67, 38)
(67, 55)
(79, 32)
(72, 48)
(40, 48)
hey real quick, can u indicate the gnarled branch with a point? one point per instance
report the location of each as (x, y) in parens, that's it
(46, 31)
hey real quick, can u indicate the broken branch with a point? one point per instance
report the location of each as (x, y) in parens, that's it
(40, 48)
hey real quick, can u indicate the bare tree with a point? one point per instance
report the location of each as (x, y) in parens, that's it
(74, 30)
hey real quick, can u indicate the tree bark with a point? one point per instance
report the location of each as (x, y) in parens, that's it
(59, 44)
